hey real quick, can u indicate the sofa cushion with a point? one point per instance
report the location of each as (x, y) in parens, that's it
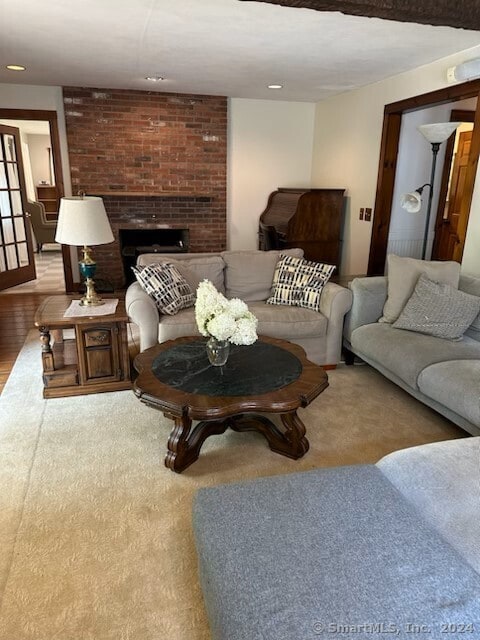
(299, 282)
(403, 273)
(442, 481)
(455, 383)
(183, 324)
(406, 353)
(288, 323)
(291, 556)
(194, 269)
(166, 286)
(249, 274)
(438, 310)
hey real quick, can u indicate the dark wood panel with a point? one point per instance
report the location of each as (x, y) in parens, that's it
(463, 14)
(310, 219)
(384, 196)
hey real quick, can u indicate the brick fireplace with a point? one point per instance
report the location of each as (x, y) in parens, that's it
(158, 161)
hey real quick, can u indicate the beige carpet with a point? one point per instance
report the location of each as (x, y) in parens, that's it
(95, 532)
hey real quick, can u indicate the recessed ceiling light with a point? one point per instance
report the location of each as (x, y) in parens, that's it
(154, 78)
(16, 67)
(275, 86)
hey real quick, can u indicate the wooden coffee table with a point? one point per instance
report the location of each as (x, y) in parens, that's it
(272, 376)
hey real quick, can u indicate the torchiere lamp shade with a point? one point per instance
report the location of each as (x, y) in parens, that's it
(83, 221)
(438, 132)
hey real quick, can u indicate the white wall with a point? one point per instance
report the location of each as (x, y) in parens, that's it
(348, 131)
(270, 145)
(39, 146)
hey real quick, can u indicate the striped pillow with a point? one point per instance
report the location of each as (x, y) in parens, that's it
(299, 282)
(165, 284)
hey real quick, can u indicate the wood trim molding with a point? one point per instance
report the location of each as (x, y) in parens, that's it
(439, 96)
(384, 197)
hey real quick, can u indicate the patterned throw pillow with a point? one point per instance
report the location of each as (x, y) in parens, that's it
(299, 282)
(168, 288)
(438, 310)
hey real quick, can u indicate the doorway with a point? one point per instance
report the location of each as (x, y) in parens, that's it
(451, 221)
(40, 142)
(389, 153)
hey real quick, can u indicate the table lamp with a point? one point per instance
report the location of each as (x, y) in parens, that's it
(82, 221)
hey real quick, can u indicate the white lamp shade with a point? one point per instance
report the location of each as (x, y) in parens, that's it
(411, 202)
(439, 131)
(83, 221)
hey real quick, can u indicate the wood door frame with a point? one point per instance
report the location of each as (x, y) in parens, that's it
(393, 114)
(456, 115)
(51, 118)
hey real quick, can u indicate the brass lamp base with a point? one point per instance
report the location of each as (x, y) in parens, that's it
(91, 297)
(87, 269)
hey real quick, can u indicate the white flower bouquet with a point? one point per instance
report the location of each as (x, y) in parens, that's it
(224, 319)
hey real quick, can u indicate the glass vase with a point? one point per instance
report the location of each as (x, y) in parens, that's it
(217, 351)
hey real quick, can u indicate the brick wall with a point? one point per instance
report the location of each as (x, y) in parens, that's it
(156, 158)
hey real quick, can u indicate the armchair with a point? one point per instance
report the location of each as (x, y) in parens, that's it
(43, 229)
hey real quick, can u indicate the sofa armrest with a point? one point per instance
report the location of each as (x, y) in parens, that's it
(141, 310)
(334, 304)
(369, 295)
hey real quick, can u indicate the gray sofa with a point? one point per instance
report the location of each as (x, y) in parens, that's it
(247, 275)
(443, 374)
(349, 552)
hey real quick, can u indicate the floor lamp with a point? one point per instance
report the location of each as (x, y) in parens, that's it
(412, 202)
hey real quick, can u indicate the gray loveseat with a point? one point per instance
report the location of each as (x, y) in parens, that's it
(443, 374)
(246, 275)
(351, 552)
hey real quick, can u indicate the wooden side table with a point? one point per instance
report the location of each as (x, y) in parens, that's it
(83, 354)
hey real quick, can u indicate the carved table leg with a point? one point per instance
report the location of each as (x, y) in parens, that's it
(295, 434)
(292, 443)
(47, 354)
(184, 444)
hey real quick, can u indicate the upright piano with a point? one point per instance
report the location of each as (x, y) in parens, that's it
(311, 219)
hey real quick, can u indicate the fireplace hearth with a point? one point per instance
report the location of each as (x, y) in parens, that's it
(134, 242)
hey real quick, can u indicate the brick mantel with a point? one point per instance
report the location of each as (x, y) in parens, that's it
(154, 158)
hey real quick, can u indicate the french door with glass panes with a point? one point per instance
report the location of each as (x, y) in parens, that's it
(16, 251)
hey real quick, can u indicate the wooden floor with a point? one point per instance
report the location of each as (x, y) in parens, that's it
(16, 320)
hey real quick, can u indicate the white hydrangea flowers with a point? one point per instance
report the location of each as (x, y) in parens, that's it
(224, 319)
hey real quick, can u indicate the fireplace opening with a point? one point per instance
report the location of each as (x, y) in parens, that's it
(134, 242)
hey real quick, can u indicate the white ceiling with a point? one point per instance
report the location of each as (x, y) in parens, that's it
(217, 47)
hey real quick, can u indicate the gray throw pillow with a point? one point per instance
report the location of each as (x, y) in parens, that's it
(402, 276)
(438, 310)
